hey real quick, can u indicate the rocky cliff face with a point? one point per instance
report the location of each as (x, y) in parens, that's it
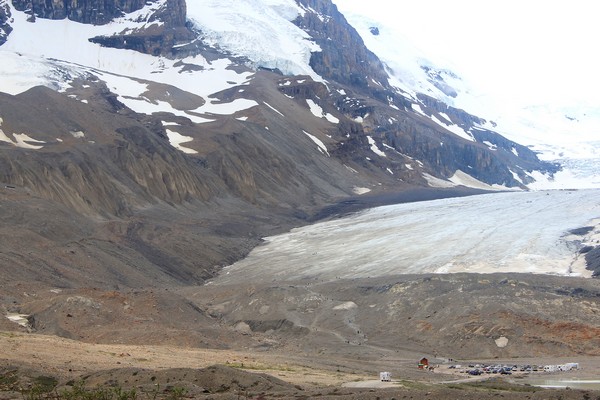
(5, 28)
(344, 58)
(499, 149)
(164, 28)
(84, 11)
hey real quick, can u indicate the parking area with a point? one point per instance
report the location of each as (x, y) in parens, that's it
(476, 369)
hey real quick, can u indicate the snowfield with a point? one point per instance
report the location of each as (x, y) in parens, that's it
(501, 232)
(32, 57)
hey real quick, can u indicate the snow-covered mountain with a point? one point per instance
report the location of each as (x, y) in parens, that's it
(565, 131)
(220, 47)
(155, 141)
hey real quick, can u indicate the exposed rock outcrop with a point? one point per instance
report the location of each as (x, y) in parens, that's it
(592, 259)
(344, 57)
(84, 11)
(164, 29)
(5, 28)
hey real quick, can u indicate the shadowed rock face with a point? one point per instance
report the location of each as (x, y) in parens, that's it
(592, 258)
(344, 58)
(5, 28)
(85, 11)
(155, 39)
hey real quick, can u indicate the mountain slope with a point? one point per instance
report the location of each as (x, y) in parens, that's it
(176, 151)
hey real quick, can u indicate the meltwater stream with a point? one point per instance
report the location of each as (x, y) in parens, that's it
(499, 232)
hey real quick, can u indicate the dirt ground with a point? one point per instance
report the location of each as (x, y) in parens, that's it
(69, 359)
(258, 375)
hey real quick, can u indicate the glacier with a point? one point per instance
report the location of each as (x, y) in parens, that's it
(260, 30)
(526, 232)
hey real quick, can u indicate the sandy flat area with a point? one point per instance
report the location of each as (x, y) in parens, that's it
(66, 358)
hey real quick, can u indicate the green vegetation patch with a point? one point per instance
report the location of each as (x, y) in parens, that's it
(492, 386)
(9, 380)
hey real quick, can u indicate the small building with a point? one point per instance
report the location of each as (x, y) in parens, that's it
(423, 363)
(385, 377)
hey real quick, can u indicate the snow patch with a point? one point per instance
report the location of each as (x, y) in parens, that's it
(417, 108)
(349, 305)
(332, 119)
(22, 140)
(501, 342)
(321, 146)
(374, 147)
(463, 179)
(516, 177)
(457, 130)
(77, 134)
(433, 181)
(273, 108)
(446, 117)
(318, 112)
(20, 319)
(176, 139)
(490, 145)
(315, 108)
(360, 190)
(225, 108)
